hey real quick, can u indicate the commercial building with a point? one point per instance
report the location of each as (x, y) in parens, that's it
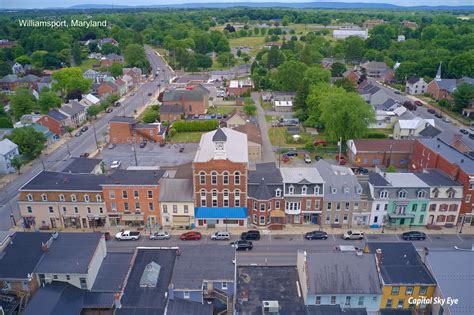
(380, 152)
(176, 202)
(124, 130)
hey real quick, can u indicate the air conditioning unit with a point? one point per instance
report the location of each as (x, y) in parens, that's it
(270, 307)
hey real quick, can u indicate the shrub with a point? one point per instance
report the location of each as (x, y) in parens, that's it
(188, 126)
(376, 135)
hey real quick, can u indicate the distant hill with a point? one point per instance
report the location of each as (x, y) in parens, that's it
(299, 5)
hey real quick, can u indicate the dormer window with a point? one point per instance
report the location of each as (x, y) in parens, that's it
(278, 192)
(61, 197)
(87, 198)
(402, 194)
(435, 192)
(29, 197)
(346, 190)
(304, 189)
(98, 198)
(333, 190)
(316, 190)
(359, 190)
(451, 194)
(421, 194)
(291, 190)
(44, 197)
(384, 194)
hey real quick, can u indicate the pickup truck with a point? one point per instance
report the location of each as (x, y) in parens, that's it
(127, 236)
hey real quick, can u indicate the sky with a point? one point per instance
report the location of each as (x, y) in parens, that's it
(30, 4)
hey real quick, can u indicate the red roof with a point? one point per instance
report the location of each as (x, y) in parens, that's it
(381, 145)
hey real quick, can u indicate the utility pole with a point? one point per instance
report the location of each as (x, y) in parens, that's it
(95, 136)
(340, 149)
(134, 153)
(42, 162)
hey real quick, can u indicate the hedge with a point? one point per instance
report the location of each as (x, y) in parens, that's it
(187, 126)
(376, 135)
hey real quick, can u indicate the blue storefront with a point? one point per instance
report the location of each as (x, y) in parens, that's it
(220, 217)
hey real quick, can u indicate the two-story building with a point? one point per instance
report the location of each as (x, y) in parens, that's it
(194, 100)
(8, 150)
(176, 202)
(75, 112)
(349, 280)
(415, 86)
(265, 201)
(123, 130)
(303, 190)
(220, 170)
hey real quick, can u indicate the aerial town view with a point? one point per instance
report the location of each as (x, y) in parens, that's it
(203, 157)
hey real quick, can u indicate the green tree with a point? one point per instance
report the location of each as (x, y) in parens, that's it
(135, 56)
(17, 162)
(337, 69)
(274, 57)
(30, 142)
(203, 61)
(23, 59)
(346, 84)
(5, 120)
(354, 49)
(47, 100)
(406, 70)
(462, 95)
(76, 53)
(68, 79)
(150, 115)
(250, 110)
(311, 76)
(288, 75)
(391, 169)
(310, 55)
(115, 69)
(22, 102)
(462, 65)
(226, 59)
(93, 111)
(108, 48)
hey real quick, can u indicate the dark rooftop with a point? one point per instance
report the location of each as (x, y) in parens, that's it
(219, 135)
(147, 301)
(123, 119)
(171, 109)
(56, 115)
(267, 284)
(401, 263)
(60, 181)
(112, 272)
(181, 306)
(377, 180)
(22, 255)
(134, 177)
(413, 80)
(81, 165)
(435, 177)
(429, 132)
(70, 253)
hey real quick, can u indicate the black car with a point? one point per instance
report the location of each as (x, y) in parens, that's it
(431, 111)
(181, 150)
(142, 144)
(463, 131)
(253, 235)
(316, 235)
(242, 245)
(84, 129)
(413, 235)
(471, 136)
(292, 153)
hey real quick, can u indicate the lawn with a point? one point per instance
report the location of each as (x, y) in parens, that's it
(186, 137)
(267, 105)
(269, 118)
(87, 64)
(221, 109)
(278, 137)
(251, 41)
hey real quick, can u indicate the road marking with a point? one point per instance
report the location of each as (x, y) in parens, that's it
(429, 238)
(398, 238)
(333, 238)
(270, 236)
(302, 237)
(459, 236)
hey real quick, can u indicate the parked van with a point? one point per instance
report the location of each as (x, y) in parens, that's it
(220, 236)
(353, 235)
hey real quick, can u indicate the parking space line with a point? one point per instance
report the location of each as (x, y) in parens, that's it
(459, 236)
(398, 237)
(429, 238)
(366, 239)
(302, 237)
(333, 237)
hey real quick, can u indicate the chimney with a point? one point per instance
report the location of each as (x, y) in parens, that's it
(378, 257)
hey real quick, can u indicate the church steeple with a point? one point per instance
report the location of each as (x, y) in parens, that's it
(438, 73)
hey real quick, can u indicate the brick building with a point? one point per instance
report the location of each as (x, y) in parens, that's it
(220, 179)
(375, 152)
(265, 201)
(107, 88)
(238, 87)
(55, 121)
(127, 130)
(194, 100)
(171, 112)
(455, 159)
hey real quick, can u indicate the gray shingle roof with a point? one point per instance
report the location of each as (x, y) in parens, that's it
(464, 161)
(340, 178)
(112, 272)
(196, 94)
(134, 177)
(447, 84)
(377, 180)
(193, 265)
(70, 253)
(171, 109)
(30, 78)
(341, 273)
(123, 119)
(179, 190)
(59, 181)
(436, 178)
(9, 78)
(264, 181)
(72, 108)
(413, 80)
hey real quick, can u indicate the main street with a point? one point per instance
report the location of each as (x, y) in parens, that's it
(79, 145)
(278, 249)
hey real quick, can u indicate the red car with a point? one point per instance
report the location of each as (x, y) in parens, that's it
(418, 103)
(190, 236)
(320, 142)
(340, 159)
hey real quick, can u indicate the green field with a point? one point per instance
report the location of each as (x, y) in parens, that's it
(186, 137)
(87, 64)
(221, 110)
(251, 41)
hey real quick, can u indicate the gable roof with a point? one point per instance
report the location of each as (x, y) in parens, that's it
(340, 178)
(178, 190)
(383, 145)
(447, 84)
(72, 108)
(236, 149)
(429, 132)
(81, 165)
(299, 174)
(171, 109)
(436, 178)
(252, 132)
(56, 115)
(413, 80)
(6, 146)
(181, 94)
(9, 78)
(60, 181)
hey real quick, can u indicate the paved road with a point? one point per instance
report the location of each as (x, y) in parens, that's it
(281, 249)
(267, 152)
(77, 145)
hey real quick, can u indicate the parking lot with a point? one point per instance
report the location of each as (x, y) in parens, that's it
(151, 155)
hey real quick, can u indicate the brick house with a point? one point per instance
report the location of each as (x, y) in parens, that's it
(453, 158)
(122, 86)
(194, 100)
(372, 23)
(375, 152)
(127, 130)
(375, 69)
(220, 179)
(135, 73)
(131, 197)
(107, 88)
(352, 76)
(171, 112)
(303, 190)
(265, 197)
(55, 121)
(238, 87)
(110, 59)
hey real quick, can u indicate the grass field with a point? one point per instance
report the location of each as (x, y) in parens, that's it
(221, 110)
(186, 137)
(87, 64)
(251, 41)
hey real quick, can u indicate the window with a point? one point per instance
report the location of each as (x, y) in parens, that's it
(318, 300)
(98, 198)
(356, 205)
(151, 207)
(68, 277)
(125, 206)
(409, 291)
(262, 219)
(423, 207)
(333, 300)
(224, 285)
(29, 197)
(50, 209)
(468, 198)
(346, 190)
(88, 209)
(433, 207)
(137, 206)
(262, 207)
(451, 194)
(338, 206)
(165, 208)
(389, 303)
(291, 190)
(114, 206)
(255, 218)
(135, 194)
(414, 207)
(376, 219)
(28, 209)
(237, 198)
(61, 197)
(226, 198)
(336, 218)
(400, 303)
(316, 205)
(214, 178)
(402, 194)
(277, 205)
(384, 194)
(202, 178)
(385, 207)
(348, 301)
(55, 277)
(292, 206)
(345, 218)
(112, 194)
(308, 204)
(422, 218)
(278, 192)
(203, 198)
(316, 190)
(421, 194)
(304, 189)
(360, 302)
(83, 283)
(329, 206)
(377, 207)
(186, 294)
(175, 208)
(237, 178)
(423, 290)
(225, 178)
(328, 218)
(101, 210)
(435, 192)
(395, 290)
(73, 198)
(333, 190)
(124, 194)
(150, 194)
(214, 198)
(346, 206)
(87, 198)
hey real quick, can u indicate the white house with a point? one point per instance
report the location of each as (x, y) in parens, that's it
(89, 100)
(410, 128)
(415, 86)
(8, 150)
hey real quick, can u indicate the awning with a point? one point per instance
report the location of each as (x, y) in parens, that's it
(181, 219)
(132, 217)
(71, 215)
(220, 213)
(277, 214)
(96, 216)
(400, 216)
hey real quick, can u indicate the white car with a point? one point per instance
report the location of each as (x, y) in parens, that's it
(160, 236)
(353, 235)
(115, 164)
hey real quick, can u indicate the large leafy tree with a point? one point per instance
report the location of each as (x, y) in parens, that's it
(462, 95)
(48, 99)
(23, 102)
(311, 76)
(135, 56)
(30, 142)
(288, 75)
(462, 65)
(69, 79)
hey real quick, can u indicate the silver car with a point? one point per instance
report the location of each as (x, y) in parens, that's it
(164, 235)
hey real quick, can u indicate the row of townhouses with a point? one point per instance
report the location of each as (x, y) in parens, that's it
(73, 273)
(219, 190)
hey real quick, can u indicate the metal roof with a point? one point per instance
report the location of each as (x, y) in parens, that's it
(179, 306)
(296, 175)
(179, 190)
(80, 165)
(112, 272)
(6, 146)
(235, 147)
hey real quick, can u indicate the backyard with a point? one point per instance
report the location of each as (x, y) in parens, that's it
(88, 64)
(192, 136)
(224, 109)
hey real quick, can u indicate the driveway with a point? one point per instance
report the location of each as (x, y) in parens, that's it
(267, 152)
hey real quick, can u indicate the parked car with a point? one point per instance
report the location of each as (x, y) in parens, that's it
(84, 128)
(431, 111)
(353, 235)
(316, 235)
(220, 236)
(463, 131)
(342, 162)
(132, 94)
(111, 146)
(115, 164)
(242, 245)
(127, 236)
(142, 144)
(362, 170)
(117, 104)
(413, 235)
(163, 235)
(446, 120)
(109, 110)
(438, 115)
(397, 92)
(307, 158)
(219, 116)
(318, 157)
(190, 236)
(320, 142)
(250, 235)
(292, 153)
(285, 158)
(471, 136)
(78, 134)
(84, 155)
(418, 103)
(181, 150)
